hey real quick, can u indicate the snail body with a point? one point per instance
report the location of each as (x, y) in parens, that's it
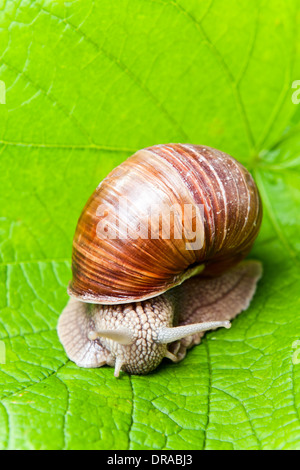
(139, 292)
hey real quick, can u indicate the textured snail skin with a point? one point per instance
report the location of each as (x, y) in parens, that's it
(113, 271)
(142, 318)
(196, 300)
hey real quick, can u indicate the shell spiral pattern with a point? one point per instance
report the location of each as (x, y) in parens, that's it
(121, 269)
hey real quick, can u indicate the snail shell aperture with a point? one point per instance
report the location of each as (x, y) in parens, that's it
(136, 299)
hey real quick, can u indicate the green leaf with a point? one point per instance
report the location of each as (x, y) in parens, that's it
(87, 84)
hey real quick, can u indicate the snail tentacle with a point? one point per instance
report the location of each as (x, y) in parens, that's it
(169, 335)
(118, 366)
(171, 356)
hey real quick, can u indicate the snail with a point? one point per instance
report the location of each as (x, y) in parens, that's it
(159, 258)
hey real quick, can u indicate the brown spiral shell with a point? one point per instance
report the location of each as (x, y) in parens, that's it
(121, 270)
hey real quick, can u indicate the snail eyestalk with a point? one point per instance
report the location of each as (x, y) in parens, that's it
(121, 335)
(169, 335)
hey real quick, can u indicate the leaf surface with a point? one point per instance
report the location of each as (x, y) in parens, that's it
(87, 84)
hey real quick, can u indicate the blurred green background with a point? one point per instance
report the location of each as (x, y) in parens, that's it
(87, 84)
